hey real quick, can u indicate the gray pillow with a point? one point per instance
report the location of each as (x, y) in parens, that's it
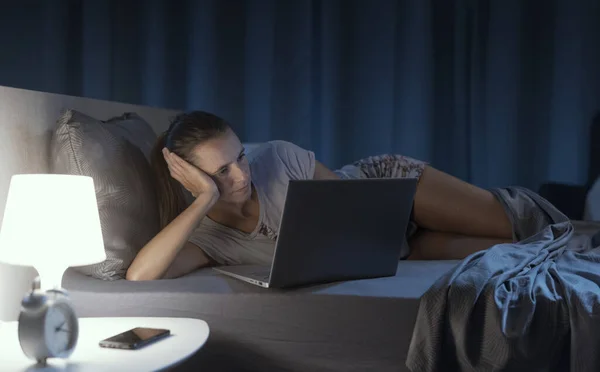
(115, 154)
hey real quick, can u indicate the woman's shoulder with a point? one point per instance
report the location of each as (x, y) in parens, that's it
(266, 153)
(274, 146)
(297, 162)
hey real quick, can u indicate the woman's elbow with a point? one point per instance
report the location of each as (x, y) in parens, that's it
(323, 173)
(137, 276)
(133, 276)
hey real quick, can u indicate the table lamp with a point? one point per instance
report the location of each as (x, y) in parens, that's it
(51, 222)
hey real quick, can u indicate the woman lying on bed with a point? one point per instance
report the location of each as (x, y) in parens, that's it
(243, 198)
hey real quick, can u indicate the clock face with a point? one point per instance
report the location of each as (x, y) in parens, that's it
(58, 330)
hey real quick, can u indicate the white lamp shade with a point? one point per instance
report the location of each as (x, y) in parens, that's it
(51, 222)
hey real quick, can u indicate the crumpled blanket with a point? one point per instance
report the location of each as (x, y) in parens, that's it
(528, 306)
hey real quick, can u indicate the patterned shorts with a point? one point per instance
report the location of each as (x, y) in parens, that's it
(387, 166)
(384, 166)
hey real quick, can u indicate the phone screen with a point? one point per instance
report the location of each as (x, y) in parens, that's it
(135, 337)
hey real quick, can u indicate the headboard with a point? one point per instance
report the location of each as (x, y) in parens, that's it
(26, 122)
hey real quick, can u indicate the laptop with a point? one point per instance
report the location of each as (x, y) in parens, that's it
(336, 230)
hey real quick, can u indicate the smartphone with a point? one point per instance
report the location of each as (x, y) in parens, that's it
(135, 338)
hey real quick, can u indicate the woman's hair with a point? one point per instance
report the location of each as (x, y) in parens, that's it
(187, 130)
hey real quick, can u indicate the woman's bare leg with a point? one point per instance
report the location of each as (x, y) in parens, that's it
(434, 245)
(444, 203)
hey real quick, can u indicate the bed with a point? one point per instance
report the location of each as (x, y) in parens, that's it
(350, 326)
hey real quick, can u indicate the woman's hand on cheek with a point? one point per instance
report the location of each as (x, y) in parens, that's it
(192, 178)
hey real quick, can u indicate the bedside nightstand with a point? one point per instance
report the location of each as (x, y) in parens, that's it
(187, 337)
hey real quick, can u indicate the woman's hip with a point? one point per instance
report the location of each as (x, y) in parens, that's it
(383, 166)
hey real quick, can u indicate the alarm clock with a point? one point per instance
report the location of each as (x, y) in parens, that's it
(48, 326)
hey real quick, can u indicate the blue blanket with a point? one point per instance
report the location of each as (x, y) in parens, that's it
(533, 305)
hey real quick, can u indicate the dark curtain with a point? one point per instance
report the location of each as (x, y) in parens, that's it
(495, 92)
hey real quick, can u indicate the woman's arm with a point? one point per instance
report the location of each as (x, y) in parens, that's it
(323, 173)
(159, 254)
(190, 258)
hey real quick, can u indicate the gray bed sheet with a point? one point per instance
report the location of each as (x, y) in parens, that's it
(361, 325)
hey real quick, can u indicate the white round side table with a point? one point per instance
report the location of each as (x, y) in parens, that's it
(187, 337)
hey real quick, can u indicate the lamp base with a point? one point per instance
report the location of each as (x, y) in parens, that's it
(49, 277)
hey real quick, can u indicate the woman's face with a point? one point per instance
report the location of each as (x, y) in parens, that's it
(224, 160)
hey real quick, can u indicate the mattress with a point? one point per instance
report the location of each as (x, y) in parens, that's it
(361, 325)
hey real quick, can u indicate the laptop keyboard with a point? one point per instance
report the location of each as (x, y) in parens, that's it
(259, 276)
(258, 273)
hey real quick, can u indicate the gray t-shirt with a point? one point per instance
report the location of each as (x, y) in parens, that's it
(272, 165)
